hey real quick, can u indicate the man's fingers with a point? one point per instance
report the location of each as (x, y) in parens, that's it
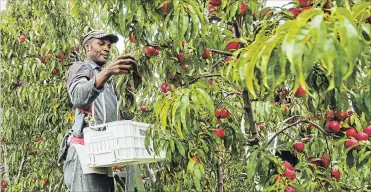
(127, 67)
(124, 62)
(125, 57)
(123, 71)
(127, 61)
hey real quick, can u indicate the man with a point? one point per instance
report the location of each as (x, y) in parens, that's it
(93, 92)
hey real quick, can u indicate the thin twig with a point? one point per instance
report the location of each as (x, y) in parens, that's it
(21, 167)
(288, 119)
(283, 129)
(318, 127)
(328, 150)
(287, 4)
(213, 75)
(289, 136)
(216, 64)
(301, 121)
(156, 46)
(221, 52)
(325, 133)
(228, 94)
(158, 170)
(196, 79)
(151, 173)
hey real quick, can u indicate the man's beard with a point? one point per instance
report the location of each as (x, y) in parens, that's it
(100, 61)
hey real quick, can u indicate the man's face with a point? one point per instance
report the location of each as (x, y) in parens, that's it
(98, 50)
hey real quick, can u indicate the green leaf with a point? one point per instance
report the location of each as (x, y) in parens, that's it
(306, 15)
(183, 24)
(164, 113)
(201, 16)
(233, 9)
(180, 148)
(350, 43)
(266, 54)
(364, 155)
(209, 101)
(191, 164)
(172, 145)
(197, 183)
(140, 14)
(366, 28)
(174, 115)
(197, 172)
(241, 66)
(174, 24)
(255, 50)
(183, 112)
(360, 8)
(195, 21)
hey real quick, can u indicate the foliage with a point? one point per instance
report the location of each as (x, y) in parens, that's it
(323, 51)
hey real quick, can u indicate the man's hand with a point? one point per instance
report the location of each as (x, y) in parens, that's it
(121, 65)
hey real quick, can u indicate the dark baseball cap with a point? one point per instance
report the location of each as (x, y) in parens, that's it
(99, 34)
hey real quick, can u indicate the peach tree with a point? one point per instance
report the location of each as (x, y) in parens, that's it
(239, 96)
(37, 40)
(230, 88)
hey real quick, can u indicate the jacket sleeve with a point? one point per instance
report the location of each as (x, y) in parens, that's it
(81, 88)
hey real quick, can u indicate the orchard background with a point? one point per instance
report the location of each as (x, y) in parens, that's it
(241, 97)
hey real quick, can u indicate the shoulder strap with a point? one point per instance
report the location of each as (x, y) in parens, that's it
(89, 112)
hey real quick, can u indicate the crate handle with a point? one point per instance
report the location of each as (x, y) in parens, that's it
(114, 154)
(90, 161)
(98, 128)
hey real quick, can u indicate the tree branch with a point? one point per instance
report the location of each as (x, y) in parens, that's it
(216, 64)
(220, 176)
(21, 167)
(221, 52)
(6, 169)
(287, 4)
(237, 33)
(151, 173)
(283, 129)
(318, 127)
(288, 119)
(289, 136)
(228, 94)
(196, 79)
(250, 117)
(301, 121)
(156, 46)
(325, 133)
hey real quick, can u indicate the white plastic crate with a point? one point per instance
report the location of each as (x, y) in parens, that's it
(119, 143)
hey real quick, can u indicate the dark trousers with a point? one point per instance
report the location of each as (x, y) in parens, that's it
(76, 181)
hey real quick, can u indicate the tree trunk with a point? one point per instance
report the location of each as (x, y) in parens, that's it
(220, 176)
(5, 164)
